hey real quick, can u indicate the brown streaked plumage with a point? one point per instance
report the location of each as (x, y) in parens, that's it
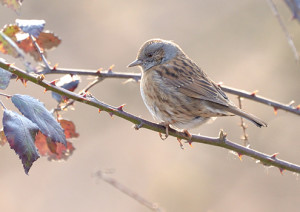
(177, 92)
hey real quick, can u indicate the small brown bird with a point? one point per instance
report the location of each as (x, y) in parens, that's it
(177, 92)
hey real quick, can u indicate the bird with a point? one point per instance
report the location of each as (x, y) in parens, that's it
(177, 92)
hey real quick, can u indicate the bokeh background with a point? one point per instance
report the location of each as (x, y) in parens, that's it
(237, 42)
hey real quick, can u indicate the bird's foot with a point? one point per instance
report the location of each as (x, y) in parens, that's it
(189, 136)
(167, 131)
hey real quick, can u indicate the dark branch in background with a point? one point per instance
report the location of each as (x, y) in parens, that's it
(135, 76)
(103, 176)
(221, 141)
(284, 29)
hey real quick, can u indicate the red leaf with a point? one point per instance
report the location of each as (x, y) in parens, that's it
(46, 41)
(69, 128)
(54, 151)
(3, 139)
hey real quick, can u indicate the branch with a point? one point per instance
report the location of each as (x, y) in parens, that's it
(243, 126)
(284, 29)
(41, 52)
(220, 141)
(127, 191)
(136, 77)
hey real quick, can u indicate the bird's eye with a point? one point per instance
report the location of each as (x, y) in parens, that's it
(149, 54)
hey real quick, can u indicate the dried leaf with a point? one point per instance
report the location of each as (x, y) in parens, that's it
(7, 43)
(46, 41)
(54, 151)
(3, 139)
(13, 4)
(69, 128)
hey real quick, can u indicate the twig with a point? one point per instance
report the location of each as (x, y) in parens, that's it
(6, 95)
(87, 72)
(128, 191)
(13, 45)
(135, 76)
(3, 106)
(221, 141)
(84, 90)
(284, 29)
(263, 100)
(244, 127)
(41, 52)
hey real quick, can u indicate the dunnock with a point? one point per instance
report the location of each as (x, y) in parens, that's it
(177, 92)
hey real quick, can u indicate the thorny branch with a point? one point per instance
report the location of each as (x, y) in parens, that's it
(221, 141)
(243, 126)
(136, 77)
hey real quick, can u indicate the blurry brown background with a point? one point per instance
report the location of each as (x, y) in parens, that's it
(237, 42)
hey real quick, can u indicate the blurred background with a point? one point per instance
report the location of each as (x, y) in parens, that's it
(239, 43)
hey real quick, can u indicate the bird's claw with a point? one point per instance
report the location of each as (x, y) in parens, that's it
(189, 136)
(167, 132)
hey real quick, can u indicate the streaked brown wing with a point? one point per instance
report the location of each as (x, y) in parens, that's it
(193, 82)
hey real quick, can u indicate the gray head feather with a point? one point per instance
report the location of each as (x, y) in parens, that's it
(155, 52)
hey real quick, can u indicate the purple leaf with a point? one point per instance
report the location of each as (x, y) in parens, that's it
(67, 82)
(32, 27)
(34, 110)
(20, 133)
(4, 78)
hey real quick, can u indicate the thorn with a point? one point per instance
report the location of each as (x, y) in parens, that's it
(240, 156)
(54, 67)
(275, 110)
(138, 126)
(24, 81)
(274, 156)
(254, 93)
(222, 136)
(45, 90)
(99, 110)
(40, 77)
(281, 170)
(298, 107)
(53, 82)
(220, 84)
(18, 78)
(10, 64)
(120, 108)
(84, 95)
(99, 70)
(180, 143)
(111, 114)
(110, 68)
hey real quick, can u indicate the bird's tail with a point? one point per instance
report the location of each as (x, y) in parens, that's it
(237, 111)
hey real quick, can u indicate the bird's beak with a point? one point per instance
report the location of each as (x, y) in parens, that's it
(137, 62)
